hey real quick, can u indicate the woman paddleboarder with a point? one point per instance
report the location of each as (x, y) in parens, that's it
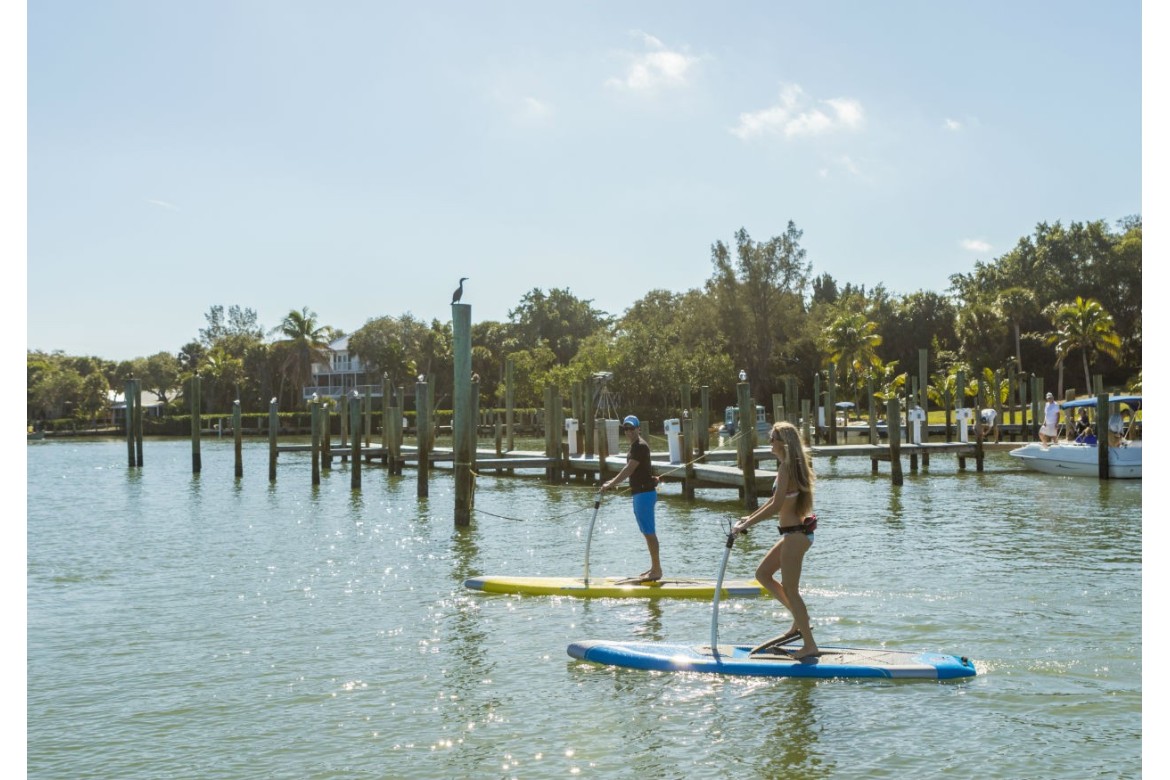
(792, 500)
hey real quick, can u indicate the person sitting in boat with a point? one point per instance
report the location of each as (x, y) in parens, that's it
(1083, 425)
(1118, 427)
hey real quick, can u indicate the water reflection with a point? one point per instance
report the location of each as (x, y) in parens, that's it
(792, 747)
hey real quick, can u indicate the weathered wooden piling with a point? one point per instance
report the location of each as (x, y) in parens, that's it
(893, 426)
(238, 437)
(510, 402)
(746, 428)
(129, 396)
(355, 453)
(325, 429)
(273, 426)
(704, 430)
(831, 403)
(463, 416)
(1103, 436)
(315, 440)
(196, 424)
(422, 426)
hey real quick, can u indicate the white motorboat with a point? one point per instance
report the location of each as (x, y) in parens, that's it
(1080, 458)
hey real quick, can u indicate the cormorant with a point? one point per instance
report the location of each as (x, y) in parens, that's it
(459, 293)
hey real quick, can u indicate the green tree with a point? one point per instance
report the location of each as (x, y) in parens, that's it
(759, 291)
(556, 318)
(1085, 325)
(852, 341)
(1015, 304)
(304, 343)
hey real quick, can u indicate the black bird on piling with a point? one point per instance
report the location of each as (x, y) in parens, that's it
(459, 293)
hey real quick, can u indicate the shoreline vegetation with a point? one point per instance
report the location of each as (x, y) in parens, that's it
(1061, 312)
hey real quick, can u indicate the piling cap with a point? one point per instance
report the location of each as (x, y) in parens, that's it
(632, 420)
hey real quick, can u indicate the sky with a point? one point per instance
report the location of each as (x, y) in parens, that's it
(359, 158)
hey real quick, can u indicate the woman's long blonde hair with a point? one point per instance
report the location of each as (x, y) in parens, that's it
(797, 464)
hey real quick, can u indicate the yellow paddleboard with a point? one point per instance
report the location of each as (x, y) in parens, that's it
(616, 587)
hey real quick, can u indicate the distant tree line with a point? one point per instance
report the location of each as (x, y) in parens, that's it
(1063, 304)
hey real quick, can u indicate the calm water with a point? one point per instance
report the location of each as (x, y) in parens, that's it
(208, 627)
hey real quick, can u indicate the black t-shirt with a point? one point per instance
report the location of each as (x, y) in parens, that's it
(642, 479)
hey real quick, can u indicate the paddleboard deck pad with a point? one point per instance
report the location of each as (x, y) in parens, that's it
(740, 661)
(616, 587)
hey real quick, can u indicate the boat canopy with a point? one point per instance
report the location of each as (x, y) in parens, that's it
(1132, 401)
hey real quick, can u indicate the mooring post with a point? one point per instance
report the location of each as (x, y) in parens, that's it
(831, 404)
(138, 421)
(129, 396)
(510, 403)
(704, 429)
(602, 448)
(238, 437)
(273, 425)
(894, 426)
(818, 408)
(747, 425)
(315, 439)
(325, 431)
(688, 432)
(463, 415)
(422, 426)
(355, 421)
(1103, 435)
(196, 424)
(979, 394)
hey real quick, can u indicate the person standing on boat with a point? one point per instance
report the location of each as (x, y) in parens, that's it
(792, 502)
(644, 487)
(1048, 434)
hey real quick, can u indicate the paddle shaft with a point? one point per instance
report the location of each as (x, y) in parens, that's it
(715, 599)
(589, 536)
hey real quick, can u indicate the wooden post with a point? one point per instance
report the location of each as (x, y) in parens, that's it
(422, 427)
(704, 430)
(368, 404)
(602, 448)
(817, 406)
(747, 417)
(978, 410)
(315, 440)
(129, 396)
(550, 451)
(196, 424)
(831, 403)
(873, 433)
(138, 421)
(924, 396)
(463, 413)
(386, 422)
(355, 421)
(325, 430)
(1103, 435)
(688, 432)
(343, 422)
(273, 425)
(238, 437)
(509, 403)
(893, 418)
(805, 415)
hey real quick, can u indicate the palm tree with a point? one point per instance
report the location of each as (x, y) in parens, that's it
(852, 340)
(1016, 303)
(1084, 325)
(305, 343)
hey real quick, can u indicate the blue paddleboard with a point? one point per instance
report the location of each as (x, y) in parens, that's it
(739, 660)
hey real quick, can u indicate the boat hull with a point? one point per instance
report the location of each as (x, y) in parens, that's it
(1080, 460)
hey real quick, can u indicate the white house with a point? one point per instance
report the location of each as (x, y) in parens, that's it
(344, 374)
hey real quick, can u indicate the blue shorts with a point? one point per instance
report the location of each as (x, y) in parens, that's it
(644, 511)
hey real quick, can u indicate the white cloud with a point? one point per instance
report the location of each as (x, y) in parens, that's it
(953, 125)
(659, 67)
(797, 115)
(975, 245)
(162, 204)
(533, 111)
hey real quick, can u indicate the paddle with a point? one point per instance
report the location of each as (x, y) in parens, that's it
(715, 600)
(589, 536)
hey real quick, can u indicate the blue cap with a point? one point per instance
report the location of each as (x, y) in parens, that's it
(632, 420)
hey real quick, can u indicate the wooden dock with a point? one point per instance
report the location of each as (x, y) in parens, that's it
(716, 469)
